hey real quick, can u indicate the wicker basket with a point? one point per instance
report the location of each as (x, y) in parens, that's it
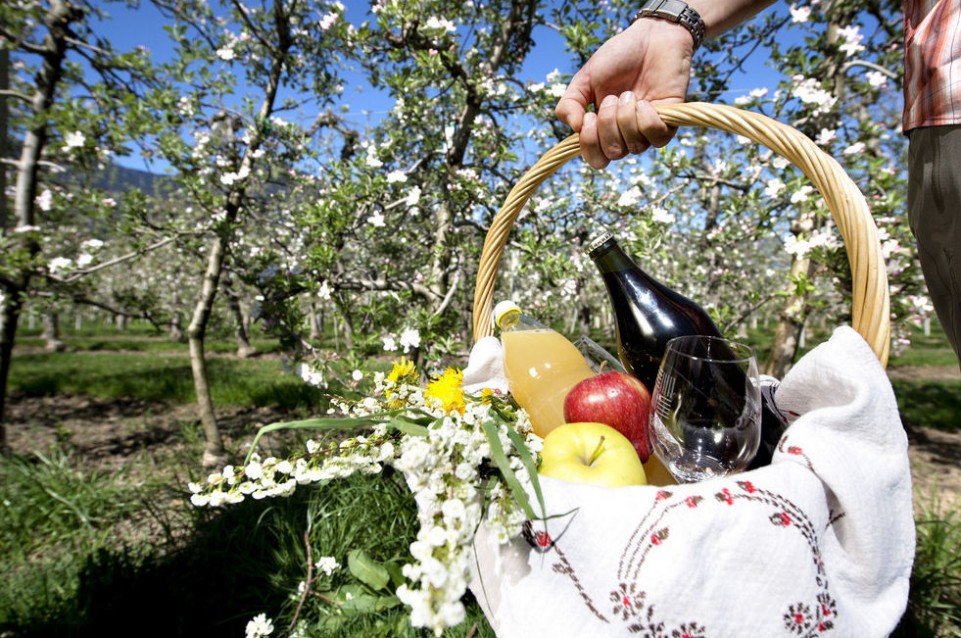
(870, 300)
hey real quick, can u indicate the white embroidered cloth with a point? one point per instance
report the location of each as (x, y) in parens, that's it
(819, 543)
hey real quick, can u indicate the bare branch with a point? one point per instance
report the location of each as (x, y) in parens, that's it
(23, 97)
(870, 65)
(79, 274)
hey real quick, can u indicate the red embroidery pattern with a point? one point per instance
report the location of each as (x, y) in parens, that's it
(794, 450)
(631, 605)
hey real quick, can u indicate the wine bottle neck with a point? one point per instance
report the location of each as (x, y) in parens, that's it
(610, 257)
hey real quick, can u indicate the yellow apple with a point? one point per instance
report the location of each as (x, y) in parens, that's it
(591, 453)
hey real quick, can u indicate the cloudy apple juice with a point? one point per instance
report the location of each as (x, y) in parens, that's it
(542, 366)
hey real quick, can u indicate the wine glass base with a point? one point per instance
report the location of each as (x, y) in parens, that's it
(690, 468)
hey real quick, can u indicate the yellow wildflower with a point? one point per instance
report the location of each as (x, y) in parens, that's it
(403, 372)
(448, 390)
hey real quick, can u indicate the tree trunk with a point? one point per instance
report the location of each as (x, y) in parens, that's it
(787, 334)
(9, 313)
(244, 347)
(176, 328)
(14, 286)
(51, 331)
(314, 321)
(214, 454)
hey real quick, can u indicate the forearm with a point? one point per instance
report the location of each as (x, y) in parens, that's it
(721, 15)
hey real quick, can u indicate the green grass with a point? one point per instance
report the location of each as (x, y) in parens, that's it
(113, 375)
(933, 404)
(934, 606)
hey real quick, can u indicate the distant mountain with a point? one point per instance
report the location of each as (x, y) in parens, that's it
(117, 179)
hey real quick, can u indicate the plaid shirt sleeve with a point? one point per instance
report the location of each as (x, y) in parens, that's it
(932, 63)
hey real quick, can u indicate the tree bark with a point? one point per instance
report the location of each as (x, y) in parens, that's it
(787, 334)
(54, 50)
(9, 313)
(51, 331)
(214, 454)
(244, 348)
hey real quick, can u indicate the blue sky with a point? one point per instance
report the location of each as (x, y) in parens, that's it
(129, 28)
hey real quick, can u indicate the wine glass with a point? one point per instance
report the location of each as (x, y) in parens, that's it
(706, 407)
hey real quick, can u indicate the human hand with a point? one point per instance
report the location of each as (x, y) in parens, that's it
(647, 64)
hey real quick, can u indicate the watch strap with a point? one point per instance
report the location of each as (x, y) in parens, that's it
(675, 11)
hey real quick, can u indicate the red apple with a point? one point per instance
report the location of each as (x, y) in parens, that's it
(617, 399)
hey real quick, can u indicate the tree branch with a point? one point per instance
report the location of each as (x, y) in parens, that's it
(79, 274)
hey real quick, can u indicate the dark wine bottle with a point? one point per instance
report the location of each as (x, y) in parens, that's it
(648, 314)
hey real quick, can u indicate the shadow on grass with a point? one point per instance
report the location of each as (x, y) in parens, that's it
(210, 587)
(932, 404)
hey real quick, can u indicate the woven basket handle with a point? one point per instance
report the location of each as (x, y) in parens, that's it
(870, 301)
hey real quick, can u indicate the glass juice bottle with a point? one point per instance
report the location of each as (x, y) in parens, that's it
(541, 366)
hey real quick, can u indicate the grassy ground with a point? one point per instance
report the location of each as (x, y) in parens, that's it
(93, 548)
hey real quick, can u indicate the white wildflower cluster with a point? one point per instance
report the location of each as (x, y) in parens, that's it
(272, 477)
(259, 626)
(444, 471)
(437, 438)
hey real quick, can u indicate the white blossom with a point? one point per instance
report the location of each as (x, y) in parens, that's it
(397, 176)
(329, 20)
(60, 264)
(809, 91)
(327, 564)
(310, 375)
(259, 626)
(438, 26)
(409, 339)
(852, 40)
(661, 216)
(630, 197)
(324, 291)
(557, 90)
(45, 200)
(802, 194)
(877, 79)
(377, 220)
(825, 137)
(800, 15)
(74, 140)
(413, 196)
(226, 53)
(854, 149)
(372, 160)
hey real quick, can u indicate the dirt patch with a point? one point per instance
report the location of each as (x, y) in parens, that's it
(932, 373)
(106, 434)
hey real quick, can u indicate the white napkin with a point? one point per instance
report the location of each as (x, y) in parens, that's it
(821, 542)
(485, 367)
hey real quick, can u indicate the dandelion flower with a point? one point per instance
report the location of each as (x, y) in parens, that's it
(448, 390)
(404, 371)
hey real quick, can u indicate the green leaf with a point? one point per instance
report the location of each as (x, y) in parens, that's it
(503, 464)
(353, 598)
(367, 570)
(528, 460)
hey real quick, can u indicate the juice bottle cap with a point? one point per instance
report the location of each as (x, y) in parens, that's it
(506, 314)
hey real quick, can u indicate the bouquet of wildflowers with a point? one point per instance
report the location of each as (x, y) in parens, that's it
(465, 458)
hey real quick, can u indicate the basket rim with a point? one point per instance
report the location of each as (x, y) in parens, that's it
(870, 301)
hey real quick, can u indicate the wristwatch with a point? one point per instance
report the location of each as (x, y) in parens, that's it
(675, 11)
